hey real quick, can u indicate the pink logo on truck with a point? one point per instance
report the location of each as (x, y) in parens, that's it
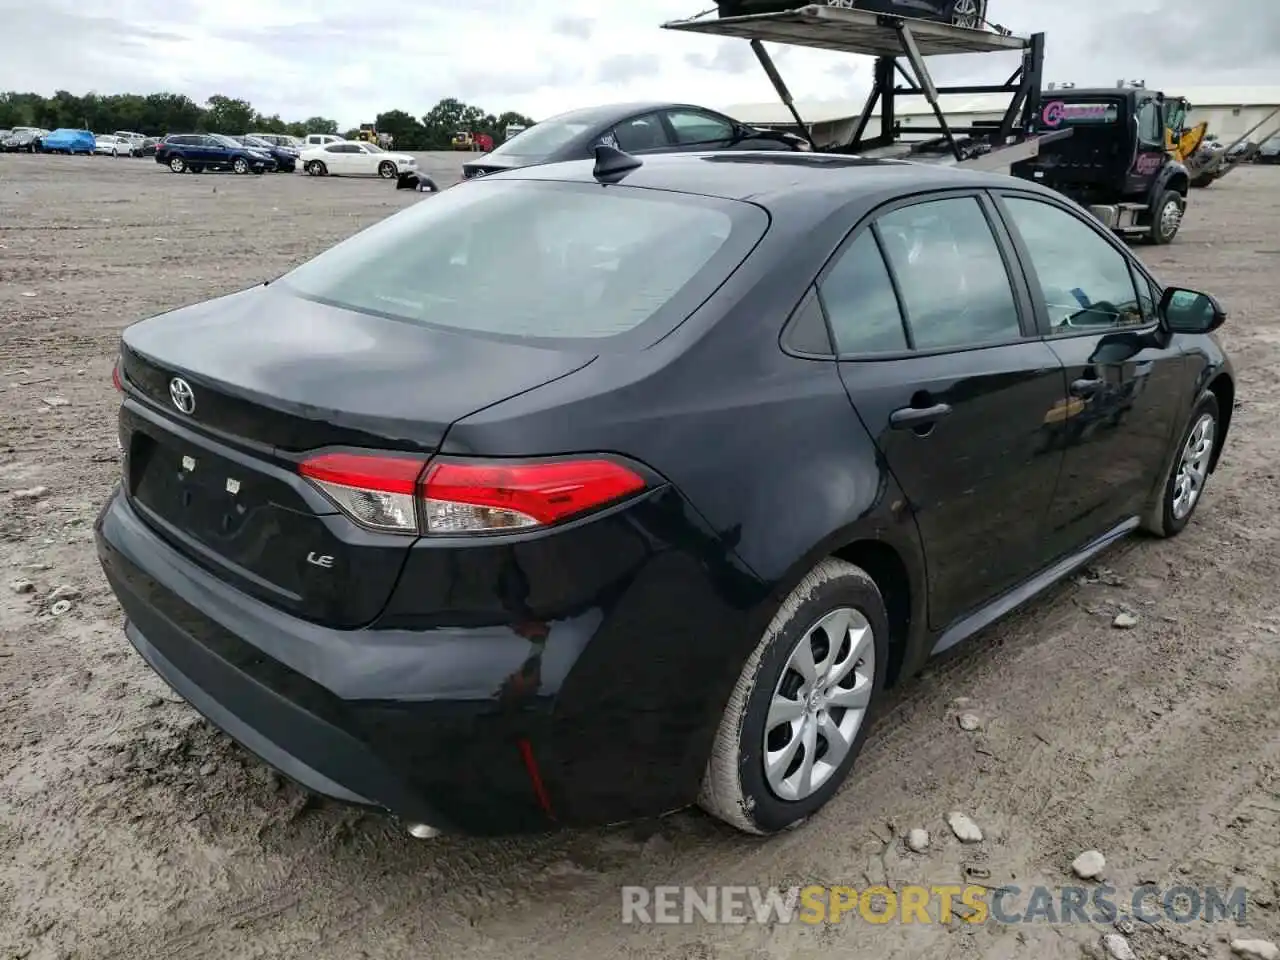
(1056, 112)
(1053, 113)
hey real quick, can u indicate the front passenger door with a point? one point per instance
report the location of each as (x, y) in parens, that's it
(938, 355)
(1125, 379)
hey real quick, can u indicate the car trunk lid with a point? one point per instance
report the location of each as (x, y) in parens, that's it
(225, 399)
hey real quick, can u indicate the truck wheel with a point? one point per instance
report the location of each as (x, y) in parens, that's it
(177, 164)
(1166, 217)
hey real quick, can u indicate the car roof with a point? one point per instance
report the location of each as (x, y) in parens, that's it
(770, 176)
(608, 111)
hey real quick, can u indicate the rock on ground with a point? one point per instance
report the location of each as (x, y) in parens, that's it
(1118, 948)
(965, 829)
(918, 840)
(1089, 865)
(1255, 949)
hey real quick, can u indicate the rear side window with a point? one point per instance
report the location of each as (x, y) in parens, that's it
(641, 133)
(538, 260)
(860, 303)
(954, 284)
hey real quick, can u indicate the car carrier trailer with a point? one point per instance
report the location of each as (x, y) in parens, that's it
(893, 39)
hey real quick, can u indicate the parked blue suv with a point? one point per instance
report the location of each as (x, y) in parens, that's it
(286, 158)
(195, 152)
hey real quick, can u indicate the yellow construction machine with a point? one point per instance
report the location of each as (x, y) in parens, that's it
(1180, 140)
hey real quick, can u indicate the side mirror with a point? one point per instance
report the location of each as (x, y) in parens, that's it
(1190, 311)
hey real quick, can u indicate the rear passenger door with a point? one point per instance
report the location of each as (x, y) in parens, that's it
(1126, 382)
(938, 353)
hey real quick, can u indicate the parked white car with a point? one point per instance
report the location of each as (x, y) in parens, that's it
(347, 158)
(111, 145)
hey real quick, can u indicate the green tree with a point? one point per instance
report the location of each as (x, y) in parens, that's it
(228, 115)
(320, 125)
(156, 114)
(407, 132)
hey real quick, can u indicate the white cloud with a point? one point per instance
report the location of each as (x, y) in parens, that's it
(347, 61)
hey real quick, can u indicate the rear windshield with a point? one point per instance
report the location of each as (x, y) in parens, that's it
(538, 260)
(541, 140)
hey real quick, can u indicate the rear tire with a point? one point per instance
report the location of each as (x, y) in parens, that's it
(1166, 217)
(774, 711)
(1183, 489)
(177, 165)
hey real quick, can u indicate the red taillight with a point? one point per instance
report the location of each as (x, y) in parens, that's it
(374, 490)
(461, 497)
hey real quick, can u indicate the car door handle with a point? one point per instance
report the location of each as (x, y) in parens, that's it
(910, 417)
(1085, 387)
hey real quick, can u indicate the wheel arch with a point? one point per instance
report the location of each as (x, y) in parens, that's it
(886, 567)
(1223, 387)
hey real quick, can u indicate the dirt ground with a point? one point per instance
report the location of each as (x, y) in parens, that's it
(130, 828)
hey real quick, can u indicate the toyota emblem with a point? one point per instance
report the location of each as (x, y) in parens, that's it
(181, 394)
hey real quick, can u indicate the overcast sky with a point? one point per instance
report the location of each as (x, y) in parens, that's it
(351, 60)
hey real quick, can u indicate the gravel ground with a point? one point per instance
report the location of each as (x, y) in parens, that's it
(129, 828)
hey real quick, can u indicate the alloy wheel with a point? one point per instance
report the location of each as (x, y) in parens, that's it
(1170, 219)
(819, 704)
(1193, 468)
(965, 13)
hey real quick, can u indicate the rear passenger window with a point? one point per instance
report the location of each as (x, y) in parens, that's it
(860, 303)
(954, 285)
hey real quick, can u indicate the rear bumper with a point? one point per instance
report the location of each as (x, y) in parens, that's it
(601, 715)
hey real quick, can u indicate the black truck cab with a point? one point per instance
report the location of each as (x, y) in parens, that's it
(1116, 161)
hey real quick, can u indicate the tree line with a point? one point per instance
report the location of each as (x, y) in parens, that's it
(157, 114)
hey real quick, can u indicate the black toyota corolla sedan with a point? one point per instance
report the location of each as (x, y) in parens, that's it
(638, 128)
(579, 494)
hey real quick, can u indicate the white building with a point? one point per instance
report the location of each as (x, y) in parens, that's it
(1231, 111)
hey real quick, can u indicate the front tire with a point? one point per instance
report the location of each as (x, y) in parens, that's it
(177, 165)
(1183, 489)
(798, 716)
(240, 166)
(1166, 217)
(316, 168)
(387, 170)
